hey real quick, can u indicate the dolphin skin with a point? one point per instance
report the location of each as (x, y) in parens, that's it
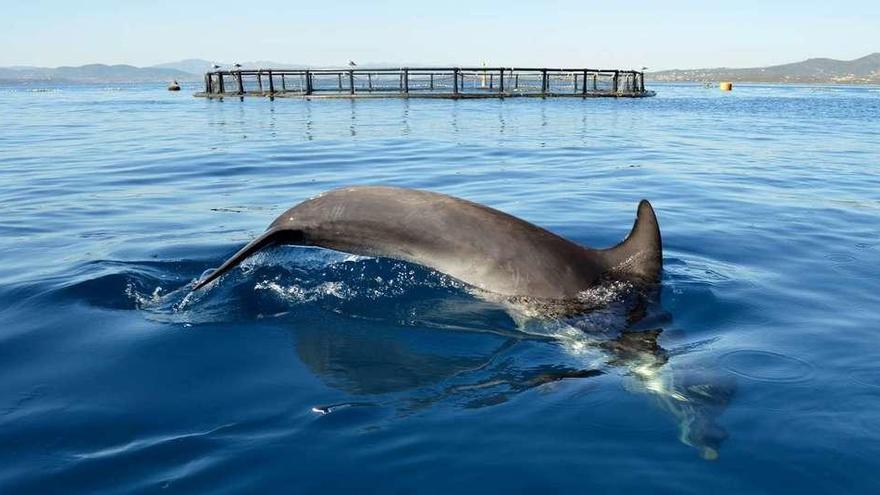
(482, 247)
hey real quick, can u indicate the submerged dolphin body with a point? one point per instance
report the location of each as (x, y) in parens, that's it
(475, 244)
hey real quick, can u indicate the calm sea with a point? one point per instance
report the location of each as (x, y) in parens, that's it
(306, 371)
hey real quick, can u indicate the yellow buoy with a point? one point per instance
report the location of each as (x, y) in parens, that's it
(726, 86)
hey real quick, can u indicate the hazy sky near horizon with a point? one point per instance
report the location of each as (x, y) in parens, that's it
(631, 33)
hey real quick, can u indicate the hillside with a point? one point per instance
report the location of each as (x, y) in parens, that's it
(94, 73)
(865, 70)
(195, 66)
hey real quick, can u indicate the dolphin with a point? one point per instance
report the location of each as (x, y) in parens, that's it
(480, 246)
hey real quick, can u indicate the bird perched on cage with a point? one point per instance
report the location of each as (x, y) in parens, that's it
(215, 67)
(352, 64)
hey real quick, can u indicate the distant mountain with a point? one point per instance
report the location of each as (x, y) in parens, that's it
(865, 70)
(198, 66)
(184, 71)
(195, 66)
(94, 73)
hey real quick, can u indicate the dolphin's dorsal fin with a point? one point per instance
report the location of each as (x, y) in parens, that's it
(640, 256)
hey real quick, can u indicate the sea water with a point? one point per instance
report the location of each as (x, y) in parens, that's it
(754, 370)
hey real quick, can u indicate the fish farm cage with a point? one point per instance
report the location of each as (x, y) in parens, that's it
(420, 82)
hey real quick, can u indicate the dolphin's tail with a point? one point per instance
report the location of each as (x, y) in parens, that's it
(272, 236)
(640, 256)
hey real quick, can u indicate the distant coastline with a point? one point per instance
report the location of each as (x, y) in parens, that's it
(93, 73)
(189, 70)
(864, 70)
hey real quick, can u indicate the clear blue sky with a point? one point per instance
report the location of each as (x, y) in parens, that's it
(626, 33)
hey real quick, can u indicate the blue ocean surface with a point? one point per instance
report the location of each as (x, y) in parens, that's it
(755, 369)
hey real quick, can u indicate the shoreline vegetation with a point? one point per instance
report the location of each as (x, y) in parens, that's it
(860, 71)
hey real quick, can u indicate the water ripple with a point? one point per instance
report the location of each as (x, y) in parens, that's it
(767, 366)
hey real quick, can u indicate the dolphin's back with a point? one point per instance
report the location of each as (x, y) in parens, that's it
(476, 244)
